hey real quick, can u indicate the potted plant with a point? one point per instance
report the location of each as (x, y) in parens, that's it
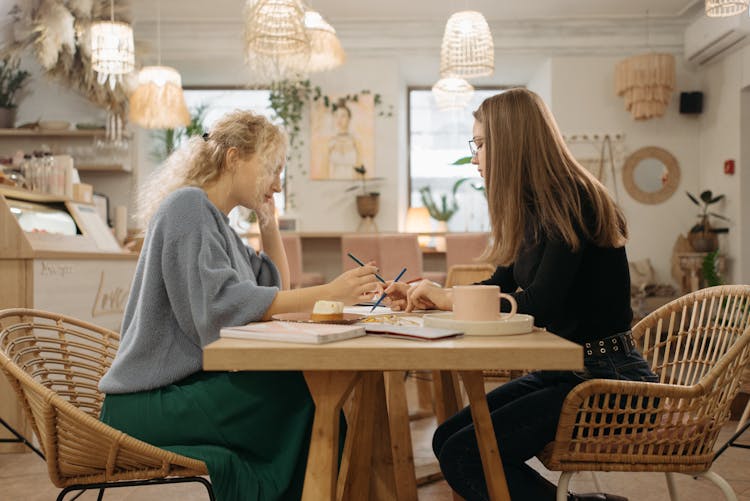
(12, 79)
(703, 236)
(443, 211)
(368, 202)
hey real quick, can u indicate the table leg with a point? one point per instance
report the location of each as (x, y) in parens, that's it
(447, 394)
(403, 453)
(491, 463)
(367, 466)
(328, 390)
(447, 400)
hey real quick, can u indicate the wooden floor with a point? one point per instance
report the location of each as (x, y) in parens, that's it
(23, 477)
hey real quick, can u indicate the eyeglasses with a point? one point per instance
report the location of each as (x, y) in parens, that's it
(474, 147)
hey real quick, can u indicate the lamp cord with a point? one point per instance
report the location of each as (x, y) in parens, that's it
(158, 31)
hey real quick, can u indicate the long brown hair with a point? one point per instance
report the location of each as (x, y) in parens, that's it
(531, 174)
(201, 161)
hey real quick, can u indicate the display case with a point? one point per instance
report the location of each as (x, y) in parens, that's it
(57, 255)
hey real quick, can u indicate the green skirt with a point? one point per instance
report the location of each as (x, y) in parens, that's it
(252, 429)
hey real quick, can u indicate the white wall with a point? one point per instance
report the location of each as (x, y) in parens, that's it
(724, 134)
(584, 102)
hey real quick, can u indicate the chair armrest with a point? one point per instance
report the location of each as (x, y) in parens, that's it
(612, 416)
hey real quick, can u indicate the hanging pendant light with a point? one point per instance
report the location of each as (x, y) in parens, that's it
(726, 8)
(452, 93)
(326, 52)
(646, 81)
(277, 45)
(158, 101)
(112, 49)
(467, 50)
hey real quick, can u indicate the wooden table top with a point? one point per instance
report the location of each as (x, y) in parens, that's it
(537, 350)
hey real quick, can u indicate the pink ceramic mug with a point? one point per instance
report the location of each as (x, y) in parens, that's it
(480, 303)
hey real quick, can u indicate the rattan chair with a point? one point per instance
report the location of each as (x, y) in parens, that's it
(467, 274)
(55, 363)
(698, 345)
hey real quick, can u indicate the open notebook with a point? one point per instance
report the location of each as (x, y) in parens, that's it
(294, 332)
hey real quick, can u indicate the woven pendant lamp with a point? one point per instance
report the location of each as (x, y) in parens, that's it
(726, 8)
(277, 45)
(467, 50)
(452, 93)
(158, 101)
(646, 81)
(112, 49)
(326, 52)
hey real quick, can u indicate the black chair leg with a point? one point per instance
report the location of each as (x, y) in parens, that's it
(101, 495)
(730, 442)
(19, 439)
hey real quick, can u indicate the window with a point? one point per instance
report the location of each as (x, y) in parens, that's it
(219, 102)
(437, 139)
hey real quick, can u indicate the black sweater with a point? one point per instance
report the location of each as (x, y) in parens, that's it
(581, 296)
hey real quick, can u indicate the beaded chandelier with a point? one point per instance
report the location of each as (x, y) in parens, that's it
(112, 49)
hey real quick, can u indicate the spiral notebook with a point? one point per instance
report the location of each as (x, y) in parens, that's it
(294, 332)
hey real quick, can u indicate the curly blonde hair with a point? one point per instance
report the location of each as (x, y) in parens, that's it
(201, 161)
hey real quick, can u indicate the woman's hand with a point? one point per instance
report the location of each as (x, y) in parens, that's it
(397, 294)
(267, 216)
(355, 285)
(424, 296)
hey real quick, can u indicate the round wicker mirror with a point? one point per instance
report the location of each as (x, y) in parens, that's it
(651, 175)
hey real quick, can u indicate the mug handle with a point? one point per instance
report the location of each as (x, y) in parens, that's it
(513, 306)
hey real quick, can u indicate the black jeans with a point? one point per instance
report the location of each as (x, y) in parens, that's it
(524, 414)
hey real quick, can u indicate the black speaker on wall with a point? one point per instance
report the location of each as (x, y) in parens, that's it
(691, 102)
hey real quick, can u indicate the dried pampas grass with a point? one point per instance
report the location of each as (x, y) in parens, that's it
(69, 65)
(56, 33)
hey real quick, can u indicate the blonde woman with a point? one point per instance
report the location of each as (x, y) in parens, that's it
(558, 242)
(195, 276)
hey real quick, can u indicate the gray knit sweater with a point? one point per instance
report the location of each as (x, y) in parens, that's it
(194, 276)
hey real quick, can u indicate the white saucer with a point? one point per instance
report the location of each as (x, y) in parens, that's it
(517, 324)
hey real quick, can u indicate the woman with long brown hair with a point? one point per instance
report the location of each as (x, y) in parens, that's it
(558, 241)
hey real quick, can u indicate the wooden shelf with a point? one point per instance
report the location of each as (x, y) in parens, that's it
(103, 168)
(68, 133)
(29, 196)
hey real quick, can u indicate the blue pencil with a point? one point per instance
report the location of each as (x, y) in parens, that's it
(384, 294)
(362, 264)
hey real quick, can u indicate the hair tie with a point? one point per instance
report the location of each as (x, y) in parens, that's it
(205, 136)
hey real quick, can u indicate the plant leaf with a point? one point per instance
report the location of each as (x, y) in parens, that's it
(706, 196)
(462, 161)
(695, 200)
(719, 216)
(716, 199)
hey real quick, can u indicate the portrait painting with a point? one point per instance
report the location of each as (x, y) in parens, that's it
(342, 137)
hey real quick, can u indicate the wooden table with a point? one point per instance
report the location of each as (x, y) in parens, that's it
(377, 462)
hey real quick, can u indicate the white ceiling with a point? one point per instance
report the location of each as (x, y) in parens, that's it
(415, 10)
